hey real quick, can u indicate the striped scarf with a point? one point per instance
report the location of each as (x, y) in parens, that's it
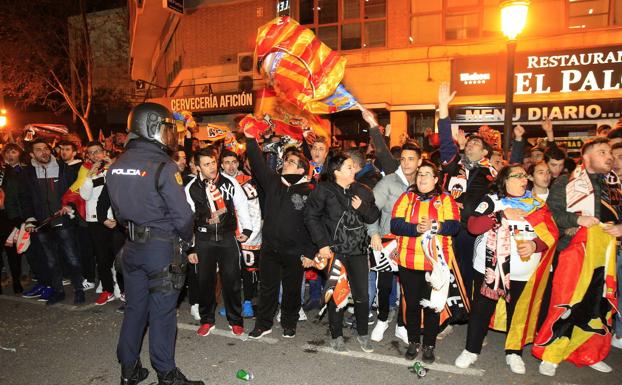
(216, 202)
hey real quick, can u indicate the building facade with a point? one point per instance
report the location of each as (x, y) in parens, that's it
(568, 61)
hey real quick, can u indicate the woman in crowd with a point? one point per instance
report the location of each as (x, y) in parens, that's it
(420, 212)
(336, 213)
(512, 260)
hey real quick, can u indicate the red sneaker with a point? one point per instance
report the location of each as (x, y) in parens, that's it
(205, 329)
(237, 330)
(104, 298)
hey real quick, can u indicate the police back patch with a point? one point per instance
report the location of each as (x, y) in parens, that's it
(178, 178)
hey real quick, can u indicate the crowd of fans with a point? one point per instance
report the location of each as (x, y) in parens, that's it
(283, 226)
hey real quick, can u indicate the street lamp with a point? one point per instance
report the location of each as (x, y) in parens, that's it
(513, 19)
(3, 119)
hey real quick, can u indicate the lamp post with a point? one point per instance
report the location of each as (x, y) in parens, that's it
(3, 119)
(513, 19)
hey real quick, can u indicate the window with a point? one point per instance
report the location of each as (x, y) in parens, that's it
(346, 24)
(436, 21)
(594, 13)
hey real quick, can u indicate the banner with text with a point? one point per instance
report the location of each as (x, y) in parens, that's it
(524, 113)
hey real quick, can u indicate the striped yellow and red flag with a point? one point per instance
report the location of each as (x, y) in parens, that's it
(301, 68)
(524, 321)
(578, 323)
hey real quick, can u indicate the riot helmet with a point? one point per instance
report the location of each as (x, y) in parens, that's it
(153, 122)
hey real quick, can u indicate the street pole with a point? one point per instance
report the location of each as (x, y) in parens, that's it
(509, 98)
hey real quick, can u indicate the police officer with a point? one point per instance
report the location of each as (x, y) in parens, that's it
(146, 193)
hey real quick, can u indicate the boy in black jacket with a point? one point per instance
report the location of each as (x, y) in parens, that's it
(285, 238)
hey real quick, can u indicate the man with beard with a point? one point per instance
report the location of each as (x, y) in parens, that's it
(286, 239)
(45, 181)
(590, 196)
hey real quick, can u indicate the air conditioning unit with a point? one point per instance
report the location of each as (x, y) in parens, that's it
(246, 69)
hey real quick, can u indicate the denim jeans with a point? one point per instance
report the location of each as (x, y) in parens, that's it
(60, 242)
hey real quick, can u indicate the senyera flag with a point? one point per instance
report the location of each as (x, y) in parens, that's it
(578, 323)
(301, 68)
(282, 117)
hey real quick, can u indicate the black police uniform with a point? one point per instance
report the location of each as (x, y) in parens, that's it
(163, 209)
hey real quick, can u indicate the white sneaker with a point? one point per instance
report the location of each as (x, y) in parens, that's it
(194, 312)
(301, 315)
(86, 285)
(516, 363)
(616, 342)
(401, 333)
(465, 359)
(547, 368)
(601, 367)
(379, 329)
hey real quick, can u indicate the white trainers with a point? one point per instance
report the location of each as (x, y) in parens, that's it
(601, 367)
(86, 285)
(465, 359)
(301, 315)
(379, 329)
(401, 333)
(194, 312)
(616, 342)
(516, 363)
(547, 368)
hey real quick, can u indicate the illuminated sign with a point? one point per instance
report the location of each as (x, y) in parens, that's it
(474, 78)
(570, 111)
(229, 102)
(579, 70)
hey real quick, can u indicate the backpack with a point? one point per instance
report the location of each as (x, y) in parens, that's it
(350, 237)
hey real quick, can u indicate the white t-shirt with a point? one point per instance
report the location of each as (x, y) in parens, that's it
(520, 270)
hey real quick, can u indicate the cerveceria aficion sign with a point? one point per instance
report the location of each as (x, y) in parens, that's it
(228, 102)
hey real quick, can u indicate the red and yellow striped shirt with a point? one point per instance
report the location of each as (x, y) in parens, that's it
(440, 208)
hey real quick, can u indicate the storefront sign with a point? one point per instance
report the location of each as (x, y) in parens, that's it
(229, 102)
(586, 110)
(580, 70)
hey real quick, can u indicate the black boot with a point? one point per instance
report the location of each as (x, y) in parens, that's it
(176, 377)
(133, 374)
(428, 354)
(413, 350)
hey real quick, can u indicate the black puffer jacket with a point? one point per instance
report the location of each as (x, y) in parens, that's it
(326, 211)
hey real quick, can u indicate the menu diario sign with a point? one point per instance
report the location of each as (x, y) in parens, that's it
(228, 102)
(568, 111)
(577, 70)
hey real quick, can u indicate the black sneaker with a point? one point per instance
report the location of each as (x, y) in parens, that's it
(289, 332)
(257, 333)
(57, 297)
(412, 351)
(78, 297)
(428, 354)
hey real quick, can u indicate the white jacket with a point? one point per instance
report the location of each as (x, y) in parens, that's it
(90, 191)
